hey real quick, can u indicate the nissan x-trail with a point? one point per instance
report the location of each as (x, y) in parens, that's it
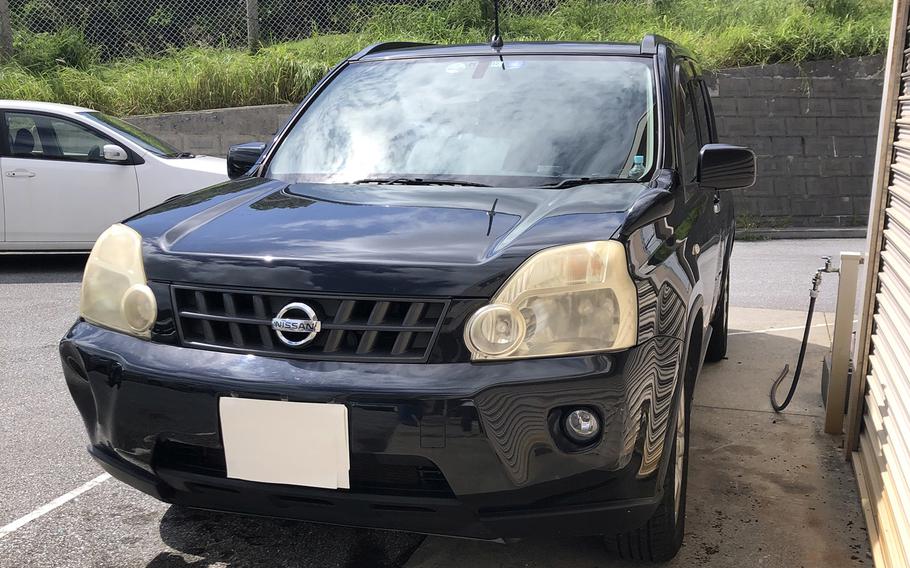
(465, 290)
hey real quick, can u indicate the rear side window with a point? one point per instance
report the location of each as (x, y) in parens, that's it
(690, 142)
(701, 112)
(24, 141)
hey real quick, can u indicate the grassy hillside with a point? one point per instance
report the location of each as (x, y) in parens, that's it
(722, 33)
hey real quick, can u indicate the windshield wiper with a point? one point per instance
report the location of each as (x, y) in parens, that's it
(419, 181)
(572, 182)
(180, 155)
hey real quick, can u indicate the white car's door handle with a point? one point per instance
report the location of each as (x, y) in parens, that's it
(20, 174)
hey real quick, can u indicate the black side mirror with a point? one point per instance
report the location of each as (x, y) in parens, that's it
(242, 157)
(722, 166)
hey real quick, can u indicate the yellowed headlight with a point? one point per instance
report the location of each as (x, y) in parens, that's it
(564, 300)
(114, 289)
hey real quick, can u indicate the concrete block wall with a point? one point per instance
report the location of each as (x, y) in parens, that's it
(212, 132)
(813, 128)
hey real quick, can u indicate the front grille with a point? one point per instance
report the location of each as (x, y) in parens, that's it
(353, 328)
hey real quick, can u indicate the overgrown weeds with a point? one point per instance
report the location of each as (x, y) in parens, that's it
(721, 33)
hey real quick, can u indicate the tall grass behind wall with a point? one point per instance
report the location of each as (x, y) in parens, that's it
(722, 33)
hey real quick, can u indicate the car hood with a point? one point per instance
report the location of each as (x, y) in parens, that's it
(417, 240)
(206, 164)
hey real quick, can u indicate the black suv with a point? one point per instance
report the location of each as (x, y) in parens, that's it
(466, 290)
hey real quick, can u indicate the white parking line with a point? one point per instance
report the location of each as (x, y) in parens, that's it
(48, 507)
(784, 328)
(775, 329)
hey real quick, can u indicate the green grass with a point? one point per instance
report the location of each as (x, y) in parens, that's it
(722, 33)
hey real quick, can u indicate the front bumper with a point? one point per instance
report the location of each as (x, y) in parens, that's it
(461, 449)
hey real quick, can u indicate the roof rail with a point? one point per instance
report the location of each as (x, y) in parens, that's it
(650, 42)
(387, 46)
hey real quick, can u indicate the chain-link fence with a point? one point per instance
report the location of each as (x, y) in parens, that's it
(126, 27)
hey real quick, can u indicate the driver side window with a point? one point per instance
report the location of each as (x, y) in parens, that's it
(52, 138)
(77, 142)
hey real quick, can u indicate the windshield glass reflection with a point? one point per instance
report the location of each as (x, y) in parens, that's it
(516, 121)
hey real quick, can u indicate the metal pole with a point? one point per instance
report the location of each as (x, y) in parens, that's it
(840, 345)
(6, 31)
(252, 24)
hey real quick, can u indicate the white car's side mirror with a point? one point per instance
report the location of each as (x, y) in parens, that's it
(114, 153)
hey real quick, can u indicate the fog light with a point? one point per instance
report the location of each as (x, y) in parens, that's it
(582, 426)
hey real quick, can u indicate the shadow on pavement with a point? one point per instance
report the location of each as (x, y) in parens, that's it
(743, 380)
(41, 268)
(764, 488)
(204, 538)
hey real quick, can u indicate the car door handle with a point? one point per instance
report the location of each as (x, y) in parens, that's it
(20, 174)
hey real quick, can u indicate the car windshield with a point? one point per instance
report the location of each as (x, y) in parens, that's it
(515, 121)
(134, 134)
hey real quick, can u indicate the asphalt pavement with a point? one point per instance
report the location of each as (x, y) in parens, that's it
(42, 446)
(778, 274)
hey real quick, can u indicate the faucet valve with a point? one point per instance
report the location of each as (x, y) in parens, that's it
(827, 267)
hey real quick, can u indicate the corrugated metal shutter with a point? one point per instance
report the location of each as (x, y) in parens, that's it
(883, 356)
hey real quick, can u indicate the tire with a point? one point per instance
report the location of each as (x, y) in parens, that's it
(717, 347)
(661, 537)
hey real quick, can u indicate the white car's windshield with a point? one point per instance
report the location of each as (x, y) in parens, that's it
(135, 135)
(515, 121)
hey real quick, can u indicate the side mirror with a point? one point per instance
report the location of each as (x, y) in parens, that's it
(114, 153)
(242, 157)
(722, 166)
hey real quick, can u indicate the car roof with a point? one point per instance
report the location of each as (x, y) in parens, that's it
(412, 50)
(522, 48)
(41, 106)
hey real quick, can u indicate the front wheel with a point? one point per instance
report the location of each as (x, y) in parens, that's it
(661, 537)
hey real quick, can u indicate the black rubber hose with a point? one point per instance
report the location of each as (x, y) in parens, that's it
(799, 365)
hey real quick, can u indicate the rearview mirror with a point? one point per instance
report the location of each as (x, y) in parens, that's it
(242, 157)
(114, 153)
(722, 166)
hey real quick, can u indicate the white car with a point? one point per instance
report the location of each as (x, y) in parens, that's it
(68, 173)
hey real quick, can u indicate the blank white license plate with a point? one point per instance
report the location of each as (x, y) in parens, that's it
(295, 443)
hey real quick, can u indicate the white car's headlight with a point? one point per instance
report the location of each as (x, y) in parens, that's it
(563, 300)
(114, 290)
